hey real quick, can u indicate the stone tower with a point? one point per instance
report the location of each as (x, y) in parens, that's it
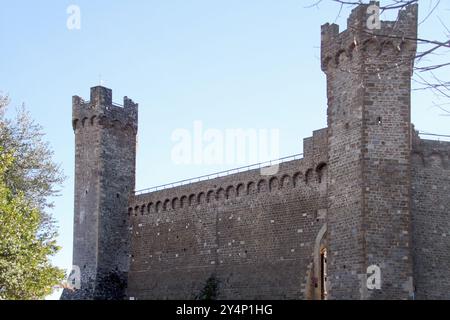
(369, 69)
(105, 152)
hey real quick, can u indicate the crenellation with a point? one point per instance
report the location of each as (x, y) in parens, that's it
(214, 191)
(430, 152)
(368, 193)
(396, 39)
(105, 136)
(100, 110)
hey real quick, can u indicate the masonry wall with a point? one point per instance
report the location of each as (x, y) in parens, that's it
(368, 190)
(254, 234)
(105, 142)
(117, 180)
(368, 85)
(86, 206)
(431, 218)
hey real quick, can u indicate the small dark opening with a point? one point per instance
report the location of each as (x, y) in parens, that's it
(323, 274)
(379, 121)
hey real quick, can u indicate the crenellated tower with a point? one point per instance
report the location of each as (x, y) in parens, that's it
(105, 155)
(369, 69)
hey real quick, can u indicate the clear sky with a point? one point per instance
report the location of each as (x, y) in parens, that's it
(229, 64)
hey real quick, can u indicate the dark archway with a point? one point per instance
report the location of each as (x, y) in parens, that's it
(323, 274)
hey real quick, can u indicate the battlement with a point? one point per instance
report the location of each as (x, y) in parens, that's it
(430, 153)
(368, 194)
(307, 173)
(101, 110)
(362, 38)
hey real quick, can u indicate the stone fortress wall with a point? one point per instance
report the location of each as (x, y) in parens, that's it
(431, 217)
(368, 193)
(254, 234)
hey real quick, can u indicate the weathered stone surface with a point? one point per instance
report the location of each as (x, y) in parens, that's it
(369, 150)
(368, 192)
(105, 156)
(254, 233)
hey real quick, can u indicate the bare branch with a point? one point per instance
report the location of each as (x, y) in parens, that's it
(432, 54)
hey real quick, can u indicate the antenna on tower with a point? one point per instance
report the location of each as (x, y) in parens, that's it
(100, 80)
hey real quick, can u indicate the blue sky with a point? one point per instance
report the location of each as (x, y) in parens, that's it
(230, 64)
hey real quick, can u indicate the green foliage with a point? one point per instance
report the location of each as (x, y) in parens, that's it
(25, 272)
(209, 292)
(28, 178)
(34, 174)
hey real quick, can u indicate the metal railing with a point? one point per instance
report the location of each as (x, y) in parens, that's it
(115, 104)
(433, 134)
(220, 174)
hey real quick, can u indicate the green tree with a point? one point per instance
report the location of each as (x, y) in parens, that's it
(34, 173)
(25, 270)
(28, 180)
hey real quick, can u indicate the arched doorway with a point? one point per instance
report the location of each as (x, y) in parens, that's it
(319, 276)
(323, 273)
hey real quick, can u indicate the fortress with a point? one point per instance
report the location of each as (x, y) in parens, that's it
(363, 215)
